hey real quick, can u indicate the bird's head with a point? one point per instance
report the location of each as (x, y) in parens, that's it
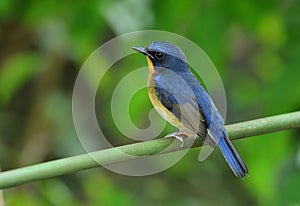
(164, 55)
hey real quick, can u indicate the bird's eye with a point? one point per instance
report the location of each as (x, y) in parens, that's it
(159, 55)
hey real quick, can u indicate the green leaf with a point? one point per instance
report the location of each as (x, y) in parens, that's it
(16, 71)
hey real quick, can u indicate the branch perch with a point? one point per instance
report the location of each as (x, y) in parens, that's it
(114, 155)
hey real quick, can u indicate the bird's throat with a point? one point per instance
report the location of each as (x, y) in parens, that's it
(150, 65)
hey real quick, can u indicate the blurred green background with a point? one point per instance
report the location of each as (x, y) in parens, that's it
(254, 44)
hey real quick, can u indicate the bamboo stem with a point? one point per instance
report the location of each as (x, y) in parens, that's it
(114, 155)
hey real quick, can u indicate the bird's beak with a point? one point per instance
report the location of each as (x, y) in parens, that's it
(143, 51)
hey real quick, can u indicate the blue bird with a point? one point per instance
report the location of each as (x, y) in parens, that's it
(179, 97)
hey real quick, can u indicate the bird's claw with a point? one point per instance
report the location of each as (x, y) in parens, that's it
(178, 136)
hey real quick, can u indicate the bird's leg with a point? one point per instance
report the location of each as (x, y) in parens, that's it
(179, 136)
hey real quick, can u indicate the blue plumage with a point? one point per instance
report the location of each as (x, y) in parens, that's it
(232, 158)
(179, 97)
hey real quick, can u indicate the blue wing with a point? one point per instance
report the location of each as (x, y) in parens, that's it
(185, 97)
(215, 124)
(178, 98)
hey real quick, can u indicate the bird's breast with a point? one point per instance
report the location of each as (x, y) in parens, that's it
(160, 108)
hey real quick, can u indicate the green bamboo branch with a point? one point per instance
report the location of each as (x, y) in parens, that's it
(114, 155)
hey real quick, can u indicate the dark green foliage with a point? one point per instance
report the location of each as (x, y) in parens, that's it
(254, 44)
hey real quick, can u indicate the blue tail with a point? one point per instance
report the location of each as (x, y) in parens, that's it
(232, 157)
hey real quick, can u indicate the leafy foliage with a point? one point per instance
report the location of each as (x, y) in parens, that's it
(254, 44)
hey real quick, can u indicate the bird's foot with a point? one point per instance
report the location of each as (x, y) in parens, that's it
(178, 135)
